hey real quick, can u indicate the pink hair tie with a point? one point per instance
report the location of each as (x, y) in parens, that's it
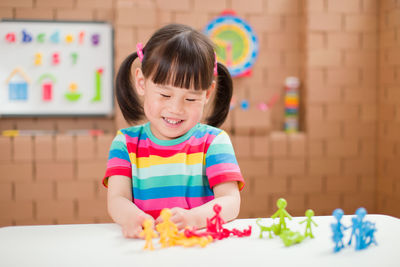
(215, 65)
(139, 51)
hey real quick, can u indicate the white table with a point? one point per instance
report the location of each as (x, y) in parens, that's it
(103, 245)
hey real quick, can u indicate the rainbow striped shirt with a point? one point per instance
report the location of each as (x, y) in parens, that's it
(173, 173)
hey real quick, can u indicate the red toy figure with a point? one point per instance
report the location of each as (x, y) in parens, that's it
(215, 229)
(215, 223)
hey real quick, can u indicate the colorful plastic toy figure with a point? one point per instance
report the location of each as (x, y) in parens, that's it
(148, 234)
(309, 213)
(214, 225)
(357, 222)
(215, 228)
(362, 230)
(273, 228)
(367, 235)
(202, 241)
(337, 229)
(167, 229)
(282, 213)
(290, 238)
(238, 233)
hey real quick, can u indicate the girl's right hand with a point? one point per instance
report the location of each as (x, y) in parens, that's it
(133, 227)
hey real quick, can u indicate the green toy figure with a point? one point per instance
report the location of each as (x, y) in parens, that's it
(273, 228)
(290, 238)
(282, 213)
(309, 213)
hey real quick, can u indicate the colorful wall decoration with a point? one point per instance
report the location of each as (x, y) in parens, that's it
(237, 44)
(56, 68)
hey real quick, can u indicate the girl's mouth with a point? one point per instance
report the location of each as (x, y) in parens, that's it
(172, 121)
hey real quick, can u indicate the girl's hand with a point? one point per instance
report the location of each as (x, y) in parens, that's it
(133, 227)
(180, 217)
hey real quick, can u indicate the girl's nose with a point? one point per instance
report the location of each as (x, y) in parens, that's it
(176, 105)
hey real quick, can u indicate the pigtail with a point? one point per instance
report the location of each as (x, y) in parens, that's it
(127, 98)
(223, 96)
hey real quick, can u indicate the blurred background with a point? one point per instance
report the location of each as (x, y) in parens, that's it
(346, 55)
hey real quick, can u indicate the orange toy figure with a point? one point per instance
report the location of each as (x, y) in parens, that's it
(148, 234)
(202, 241)
(167, 229)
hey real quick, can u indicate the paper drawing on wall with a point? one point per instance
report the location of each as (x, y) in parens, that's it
(26, 37)
(74, 57)
(98, 75)
(18, 83)
(55, 37)
(38, 59)
(10, 37)
(55, 58)
(69, 38)
(237, 44)
(72, 94)
(41, 38)
(47, 82)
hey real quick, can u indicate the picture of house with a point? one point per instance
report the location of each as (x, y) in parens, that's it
(18, 83)
(47, 82)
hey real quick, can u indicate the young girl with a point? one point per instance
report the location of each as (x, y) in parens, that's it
(173, 161)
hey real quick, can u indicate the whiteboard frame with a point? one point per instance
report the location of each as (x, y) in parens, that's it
(110, 112)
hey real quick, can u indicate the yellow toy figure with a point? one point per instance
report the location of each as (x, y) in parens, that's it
(148, 234)
(167, 229)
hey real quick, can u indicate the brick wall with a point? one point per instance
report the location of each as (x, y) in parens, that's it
(347, 146)
(388, 179)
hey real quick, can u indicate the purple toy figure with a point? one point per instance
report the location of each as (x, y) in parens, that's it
(338, 229)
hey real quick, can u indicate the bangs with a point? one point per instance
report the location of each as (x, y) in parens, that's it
(185, 61)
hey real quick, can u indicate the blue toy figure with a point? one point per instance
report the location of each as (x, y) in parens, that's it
(367, 235)
(357, 223)
(338, 229)
(362, 230)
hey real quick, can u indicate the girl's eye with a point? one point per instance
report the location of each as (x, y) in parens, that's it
(190, 99)
(165, 95)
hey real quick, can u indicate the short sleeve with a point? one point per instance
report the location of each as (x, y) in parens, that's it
(221, 163)
(118, 159)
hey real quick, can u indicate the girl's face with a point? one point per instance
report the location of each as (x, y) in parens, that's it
(172, 111)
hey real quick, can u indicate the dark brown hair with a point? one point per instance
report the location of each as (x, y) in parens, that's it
(179, 56)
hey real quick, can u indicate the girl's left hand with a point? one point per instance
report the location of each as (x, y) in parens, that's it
(180, 217)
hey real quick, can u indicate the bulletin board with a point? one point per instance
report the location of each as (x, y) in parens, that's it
(56, 68)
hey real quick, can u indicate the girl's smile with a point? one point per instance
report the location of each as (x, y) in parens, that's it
(172, 122)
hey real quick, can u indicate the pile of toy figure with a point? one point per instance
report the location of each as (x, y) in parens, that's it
(288, 236)
(170, 236)
(362, 230)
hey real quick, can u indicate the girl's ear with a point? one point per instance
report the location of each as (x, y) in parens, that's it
(210, 91)
(139, 81)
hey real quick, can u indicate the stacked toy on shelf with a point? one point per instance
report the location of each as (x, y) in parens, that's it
(292, 105)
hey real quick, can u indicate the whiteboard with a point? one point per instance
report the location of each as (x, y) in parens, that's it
(56, 68)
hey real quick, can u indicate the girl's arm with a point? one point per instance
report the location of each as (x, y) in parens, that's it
(121, 208)
(226, 195)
